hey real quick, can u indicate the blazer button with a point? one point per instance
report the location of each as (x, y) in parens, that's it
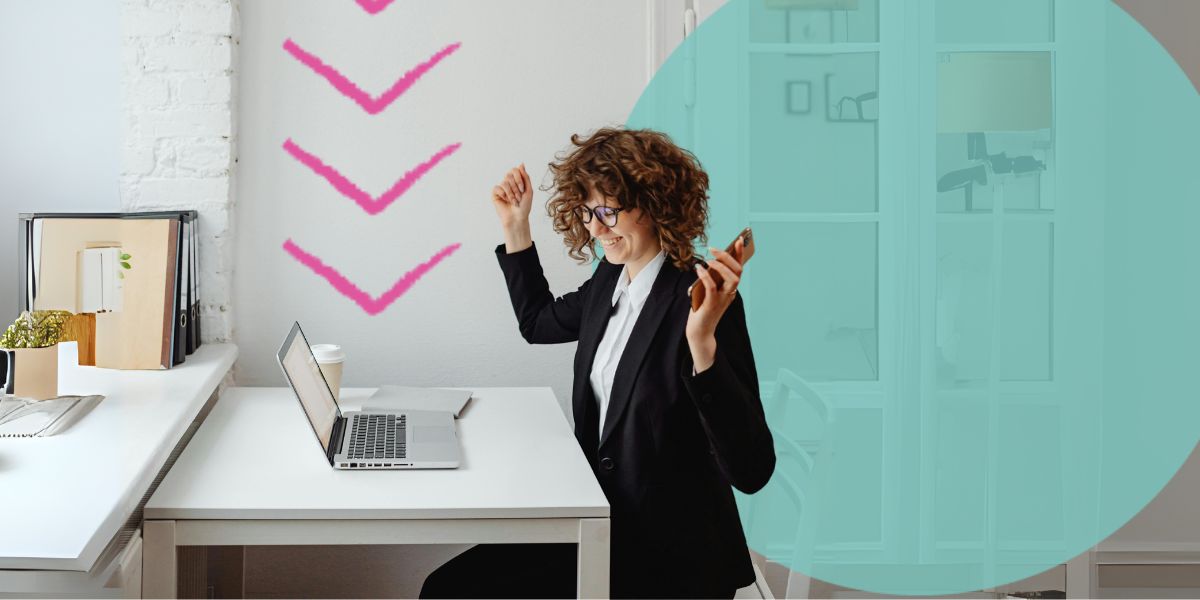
(606, 463)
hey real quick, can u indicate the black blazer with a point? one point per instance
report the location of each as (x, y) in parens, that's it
(673, 443)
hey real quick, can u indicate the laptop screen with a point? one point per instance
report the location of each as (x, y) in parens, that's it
(304, 375)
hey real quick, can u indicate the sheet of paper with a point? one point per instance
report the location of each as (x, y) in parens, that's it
(395, 397)
(20, 417)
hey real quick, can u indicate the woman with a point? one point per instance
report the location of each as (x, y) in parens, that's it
(665, 398)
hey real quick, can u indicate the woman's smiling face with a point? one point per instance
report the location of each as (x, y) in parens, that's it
(631, 241)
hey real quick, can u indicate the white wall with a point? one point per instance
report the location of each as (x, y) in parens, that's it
(180, 141)
(60, 113)
(528, 74)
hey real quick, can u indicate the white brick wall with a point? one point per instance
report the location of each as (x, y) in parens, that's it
(179, 62)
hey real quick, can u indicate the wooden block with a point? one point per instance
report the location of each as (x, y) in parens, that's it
(36, 372)
(82, 329)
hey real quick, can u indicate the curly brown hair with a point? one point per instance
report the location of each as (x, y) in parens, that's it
(638, 168)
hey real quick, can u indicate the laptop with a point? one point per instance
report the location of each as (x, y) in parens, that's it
(374, 439)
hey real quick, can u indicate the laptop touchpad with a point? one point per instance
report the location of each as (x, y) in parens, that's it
(430, 435)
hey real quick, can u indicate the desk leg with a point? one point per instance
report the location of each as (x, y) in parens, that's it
(594, 536)
(1093, 574)
(158, 559)
(1082, 577)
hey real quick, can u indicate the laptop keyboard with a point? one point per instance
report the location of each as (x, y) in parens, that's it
(377, 436)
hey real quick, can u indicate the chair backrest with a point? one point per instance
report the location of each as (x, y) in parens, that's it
(788, 385)
(802, 463)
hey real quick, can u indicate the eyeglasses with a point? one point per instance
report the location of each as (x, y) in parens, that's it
(606, 214)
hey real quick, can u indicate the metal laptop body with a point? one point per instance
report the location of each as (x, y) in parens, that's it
(366, 439)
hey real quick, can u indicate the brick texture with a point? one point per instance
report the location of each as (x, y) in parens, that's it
(179, 66)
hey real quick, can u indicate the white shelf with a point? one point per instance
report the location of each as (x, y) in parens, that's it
(813, 49)
(997, 47)
(68, 495)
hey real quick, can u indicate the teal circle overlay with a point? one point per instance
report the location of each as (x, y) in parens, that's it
(974, 303)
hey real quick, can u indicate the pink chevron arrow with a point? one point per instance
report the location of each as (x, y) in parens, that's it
(372, 205)
(374, 6)
(370, 304)
(370, 104)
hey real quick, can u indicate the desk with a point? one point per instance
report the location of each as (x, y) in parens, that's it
(69, 496)
(255, 475)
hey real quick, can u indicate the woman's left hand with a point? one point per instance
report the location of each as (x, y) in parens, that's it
(702, 323)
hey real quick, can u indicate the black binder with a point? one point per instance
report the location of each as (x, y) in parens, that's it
(193, 291)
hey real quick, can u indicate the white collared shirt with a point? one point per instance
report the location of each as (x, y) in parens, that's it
(628, 298)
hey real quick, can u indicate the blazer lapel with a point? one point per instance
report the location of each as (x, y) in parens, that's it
(657, 303)
(591, 330)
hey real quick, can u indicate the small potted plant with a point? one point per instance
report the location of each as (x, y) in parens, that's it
(31, 346)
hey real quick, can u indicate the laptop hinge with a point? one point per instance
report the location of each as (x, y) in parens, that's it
(335, 440)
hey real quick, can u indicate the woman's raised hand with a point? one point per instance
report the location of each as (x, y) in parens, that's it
(513, 198)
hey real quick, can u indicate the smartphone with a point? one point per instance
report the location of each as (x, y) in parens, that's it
(697, 289)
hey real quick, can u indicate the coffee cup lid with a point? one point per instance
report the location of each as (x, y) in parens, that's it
(328, 353)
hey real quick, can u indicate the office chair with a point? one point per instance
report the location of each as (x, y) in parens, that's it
(801, 472)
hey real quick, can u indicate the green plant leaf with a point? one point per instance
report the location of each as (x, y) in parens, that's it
(125, 265)
(125, 256)
(120, 274)
(40, 329)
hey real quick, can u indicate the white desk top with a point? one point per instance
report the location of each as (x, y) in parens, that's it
(67, 495)
(256, 457)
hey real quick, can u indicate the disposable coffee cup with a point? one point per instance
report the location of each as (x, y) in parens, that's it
(330, 358)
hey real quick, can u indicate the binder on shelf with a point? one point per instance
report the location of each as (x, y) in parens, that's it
(152, 328)
(178, 298)
(193, 274)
